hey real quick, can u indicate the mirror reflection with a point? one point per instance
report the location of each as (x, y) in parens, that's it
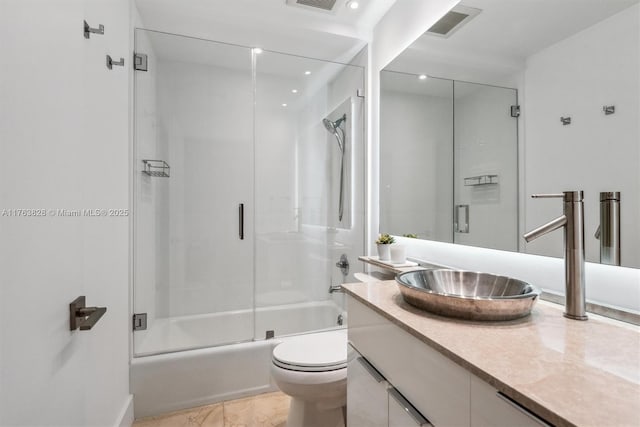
(457, 167)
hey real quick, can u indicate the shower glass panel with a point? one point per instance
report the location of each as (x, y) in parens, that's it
(485, 166)
(244, 201)
(192, 271)
(309, 198)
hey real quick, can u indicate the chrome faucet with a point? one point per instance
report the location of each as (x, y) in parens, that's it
(573, 222)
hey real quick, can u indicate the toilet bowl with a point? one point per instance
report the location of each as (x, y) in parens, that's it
(312, 369)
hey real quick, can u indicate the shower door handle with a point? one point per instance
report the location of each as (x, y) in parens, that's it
(241, 221)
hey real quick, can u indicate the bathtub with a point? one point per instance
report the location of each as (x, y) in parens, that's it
(183, 379)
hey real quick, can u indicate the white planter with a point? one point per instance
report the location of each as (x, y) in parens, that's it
(398, 254)
(383, 252)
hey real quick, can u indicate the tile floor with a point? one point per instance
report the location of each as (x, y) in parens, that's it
(264, 410)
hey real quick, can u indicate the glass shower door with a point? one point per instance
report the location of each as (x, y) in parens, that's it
(193, 175)
(309, 186)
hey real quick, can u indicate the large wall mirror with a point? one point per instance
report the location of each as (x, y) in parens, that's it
(502, 99)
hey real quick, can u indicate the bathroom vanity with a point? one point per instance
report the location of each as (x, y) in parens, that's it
(410, 367)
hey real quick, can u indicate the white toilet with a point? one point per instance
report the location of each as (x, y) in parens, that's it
(312, 369)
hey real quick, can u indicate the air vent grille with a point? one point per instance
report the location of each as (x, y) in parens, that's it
(319, 4)
(452, 21)
(447, 23)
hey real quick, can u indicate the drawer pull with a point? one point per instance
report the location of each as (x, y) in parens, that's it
(372, 371)
(413, 412)
(522, 409)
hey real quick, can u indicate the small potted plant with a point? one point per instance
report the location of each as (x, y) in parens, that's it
(383, 243)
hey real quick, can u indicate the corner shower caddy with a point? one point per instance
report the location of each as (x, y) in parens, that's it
(156, 168)
(480, 180)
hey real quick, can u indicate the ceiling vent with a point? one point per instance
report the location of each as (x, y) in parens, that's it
(319, 5)
(453, 21)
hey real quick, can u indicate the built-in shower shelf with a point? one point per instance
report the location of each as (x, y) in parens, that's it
(156, 168)
(480, 180)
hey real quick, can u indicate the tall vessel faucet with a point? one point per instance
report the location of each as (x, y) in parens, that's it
(572, 220)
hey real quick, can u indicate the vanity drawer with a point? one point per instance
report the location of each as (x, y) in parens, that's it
(489, 409)
(436, 386)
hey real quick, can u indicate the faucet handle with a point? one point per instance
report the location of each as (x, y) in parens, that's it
(568, 196)
(547, 196)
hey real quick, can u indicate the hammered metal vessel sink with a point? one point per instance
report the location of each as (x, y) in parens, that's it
(468, 295)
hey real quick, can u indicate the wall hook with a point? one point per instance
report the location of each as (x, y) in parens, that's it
(565, 120)
(88, 30)
(608, 109)
(111, 62)
(83, 317)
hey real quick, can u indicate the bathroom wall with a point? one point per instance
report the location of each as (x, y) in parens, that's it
(596, 152)
(63, 145)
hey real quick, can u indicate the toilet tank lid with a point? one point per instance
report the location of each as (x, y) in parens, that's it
(313, 350)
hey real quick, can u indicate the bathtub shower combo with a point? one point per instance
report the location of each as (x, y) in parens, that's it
(243, 204)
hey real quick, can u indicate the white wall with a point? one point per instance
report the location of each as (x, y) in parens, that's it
(64, 145)
(596, 152)
(417, 155)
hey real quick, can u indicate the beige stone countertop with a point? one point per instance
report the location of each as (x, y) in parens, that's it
(582, 373)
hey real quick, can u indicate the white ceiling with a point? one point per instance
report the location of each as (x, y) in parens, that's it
(506, 32)
(270, 24)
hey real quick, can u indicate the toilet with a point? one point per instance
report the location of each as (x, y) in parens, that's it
(312, 369)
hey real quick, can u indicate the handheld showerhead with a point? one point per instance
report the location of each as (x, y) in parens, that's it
(333, 126)
(335, 129)
(329, 125)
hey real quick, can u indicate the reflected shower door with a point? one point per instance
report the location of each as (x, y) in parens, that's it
(192, 267)
(485, 166)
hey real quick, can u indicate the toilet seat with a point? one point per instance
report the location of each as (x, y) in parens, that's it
(312, 353)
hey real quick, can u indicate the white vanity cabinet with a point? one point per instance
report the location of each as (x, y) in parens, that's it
(489, 408)
(434, 385)
(423, 386)
(373, 402)
(366, 393)
(402, 413)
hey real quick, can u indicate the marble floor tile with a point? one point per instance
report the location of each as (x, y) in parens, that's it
(266, 410)
(203, 416)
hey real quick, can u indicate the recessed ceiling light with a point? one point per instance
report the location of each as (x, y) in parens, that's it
(284, 105)
(257, 50)
(353, 4)
(294, 90)
(422, 77)
(306, 73)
